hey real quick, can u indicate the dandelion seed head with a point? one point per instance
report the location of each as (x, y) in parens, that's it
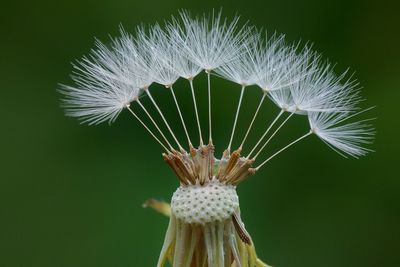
(205, 219)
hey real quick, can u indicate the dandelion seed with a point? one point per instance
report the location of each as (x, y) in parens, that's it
(210, 43)
(206, 228)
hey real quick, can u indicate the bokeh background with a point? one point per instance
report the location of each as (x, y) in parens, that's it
(71, 195)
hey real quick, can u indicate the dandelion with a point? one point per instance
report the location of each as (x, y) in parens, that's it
(206, 227)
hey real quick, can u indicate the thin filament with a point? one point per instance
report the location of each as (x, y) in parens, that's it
(236, 116)
(252, 121)
(289, 145)
(154, 123)
(269, 139)
(197, 114)
(162, 116)
(209, 106)
(266, 132)
(180, 115)
(147, 128)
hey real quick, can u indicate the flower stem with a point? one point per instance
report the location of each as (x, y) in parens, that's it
(209, 106)
(252, 121)
(165, 121)
(236, 116)
(269, 139)
(197, 113)
(147, 128)
(154, 123)
(265, 133)
(289, 145)
(180, 115)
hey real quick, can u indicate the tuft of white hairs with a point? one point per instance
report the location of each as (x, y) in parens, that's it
(164, 55)
(103, 86)
(283, 99)
(211, 41)
(137, 59)
(274, 62)
(343, 137)
(321, 90)
(243, 68)
(180, 62)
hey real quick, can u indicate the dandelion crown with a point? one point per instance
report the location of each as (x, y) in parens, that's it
(205, 226)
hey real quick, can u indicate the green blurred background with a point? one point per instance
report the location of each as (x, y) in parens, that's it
(71, 194)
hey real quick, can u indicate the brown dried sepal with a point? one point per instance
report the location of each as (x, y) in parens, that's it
(242, 233)
(198, 165)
